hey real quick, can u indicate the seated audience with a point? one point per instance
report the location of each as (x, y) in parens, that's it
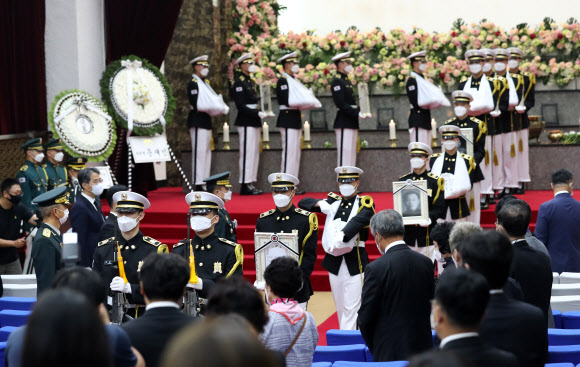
(438, 359)
(440, 236)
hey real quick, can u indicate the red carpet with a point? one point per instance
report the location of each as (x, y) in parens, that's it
(329, 324)
(166, 222)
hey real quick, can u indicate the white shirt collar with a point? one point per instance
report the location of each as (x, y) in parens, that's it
(496, 291)
(393, 244)
(160, 304)
(561, 192)
(92, 200)
(456, 337)
(113, 213)
(519, 240)
(54, 229)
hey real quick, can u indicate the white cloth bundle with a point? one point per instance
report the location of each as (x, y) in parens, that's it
(513, 93)
(332, 227)
(482, 98)
(209, 101)
(428, 95)
(457, 184)
(299, 96)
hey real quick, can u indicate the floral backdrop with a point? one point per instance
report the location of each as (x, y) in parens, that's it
(552, 50)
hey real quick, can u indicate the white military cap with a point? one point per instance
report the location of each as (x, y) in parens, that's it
(515, 52)
(417, 55)
(348, 173)
(461, 96)
(289, 57)
(475, 55)
(501, 54)
(202, 202)
(341, 56)
(244, 57)
(449, 130)
(199, 60)
(419, 148)
(282, 181)
(131, 200)
(488, 52)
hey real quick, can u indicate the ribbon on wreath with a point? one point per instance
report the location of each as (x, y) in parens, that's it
(82, 101)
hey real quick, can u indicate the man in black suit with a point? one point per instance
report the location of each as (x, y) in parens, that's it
(86, 215)
(510, 325)
(163, 278)
(394, 314)
(531, 268)
(460, 301)
(110, 227)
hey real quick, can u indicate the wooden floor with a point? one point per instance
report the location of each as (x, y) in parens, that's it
(321, 306)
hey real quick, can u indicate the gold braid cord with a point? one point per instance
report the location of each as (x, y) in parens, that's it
(239, 260)
(313, 220)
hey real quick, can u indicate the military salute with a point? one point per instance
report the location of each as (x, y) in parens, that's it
(286, 218)
(345, 232)
(31, 176)
(74, 165)
(55, 171)
(133, 246)
(219, 185)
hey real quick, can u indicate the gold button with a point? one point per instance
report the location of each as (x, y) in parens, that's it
(208, 247)
(202, 248)
(287, 217)
(124, 262)
(278, 218)
(196, 247)
(200, 264)
(132, 247)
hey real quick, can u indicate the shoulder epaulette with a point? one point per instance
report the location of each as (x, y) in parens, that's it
(471, 161)
(44, 166)
(180, 243)
(449, 121)
(464, 79)
(405, 175)
(194, 80)
(106, 242)
(24, 168)
(435, 155)
(412, 76)
(303, 212)
(334, 196)
(231, 243)
(475, 119)
(242, 78)
(151, 241)
(269, 212)
(46, 232)
(432, 175)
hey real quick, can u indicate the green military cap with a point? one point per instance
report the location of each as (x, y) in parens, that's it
(55, 144)
(220, 179)
(33, 144)
(76, 163)
(54, 196)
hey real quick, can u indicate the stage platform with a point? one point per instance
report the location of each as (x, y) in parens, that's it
(166, 221)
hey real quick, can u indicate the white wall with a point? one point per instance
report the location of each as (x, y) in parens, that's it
(432, 15)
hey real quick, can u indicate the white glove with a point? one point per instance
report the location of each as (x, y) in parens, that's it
(118, 285)
(324, 206)
(262, 115)
(425, 223)
(521, 109)
(495, 113)
(338, 240)
(197, 286)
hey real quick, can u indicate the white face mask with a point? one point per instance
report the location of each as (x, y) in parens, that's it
(449, 145)
(432, 320)
(460, 111)
(98, 189)
(204, 72)
(417, 163)
(200, 223)
(438, 256)
(475, 68)
(126, 224)
(347, 190)
(379, 246)
(252, 69)
(65, 217)
(513, 64)
(295, 68)
(487, 67)
(39, 157)
(499, 66)
(282, 200)
(228, 195)
(59, 156)
(267, 298)
(423, 67)
(348, 69)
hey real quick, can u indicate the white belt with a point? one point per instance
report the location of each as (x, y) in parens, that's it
(282, 107)
(252, 106)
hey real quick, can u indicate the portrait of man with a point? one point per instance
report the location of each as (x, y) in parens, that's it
(411, 203)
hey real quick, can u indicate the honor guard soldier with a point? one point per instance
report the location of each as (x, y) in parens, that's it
(248, 122)
(132, 246)
(346, 229)
(417, 236)
(346, 122)
(74, 165)
(286, 218)
(526, 95)
(31, 176)
(56, 172)
(419, 118)
(215, 257)
(219, 185)
(463, 120)
(455, 168)
(46, 248)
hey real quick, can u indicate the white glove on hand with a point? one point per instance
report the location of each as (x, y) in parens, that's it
(262, 115)
(197, 286)
(425, 223)
(338, 240)
(521, 109)
(324, 206)
(118, 285)
(495, 113)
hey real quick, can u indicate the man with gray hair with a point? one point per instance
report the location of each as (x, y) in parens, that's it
(460, 232)
(398, 286)
(86, 215)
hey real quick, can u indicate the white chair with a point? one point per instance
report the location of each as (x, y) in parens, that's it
(566, 278)
(19, 290)
(555, 278)
(19, 279)
(565, 303)
(572, 289)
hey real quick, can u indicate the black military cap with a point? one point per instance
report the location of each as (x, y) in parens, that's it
(54, 196)
(55, 144)
(220, 179)
(77, 163)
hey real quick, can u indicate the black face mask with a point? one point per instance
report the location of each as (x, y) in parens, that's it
(15, 199)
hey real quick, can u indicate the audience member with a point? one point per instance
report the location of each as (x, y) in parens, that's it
(163, 280)
(65, 330)
(290, 330)
(530, 267)
(394, 314)
(440, 236)
(224, 341)
(460, 300)
(558, 224)
(92, 287)
(86, 215)
(438, 359)
(508, 324)
(110, 226)
(459, 233)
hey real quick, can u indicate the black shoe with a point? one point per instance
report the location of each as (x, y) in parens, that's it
(519, 191)
(491, 199)
(249, 189)
(484, 206)
(300, 192)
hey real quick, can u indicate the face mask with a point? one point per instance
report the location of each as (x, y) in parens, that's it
(295, 69)
(267, 299)
(423, 67)
(65, 217)
(499, 66)
(347, 190)
(59, 156)
(200, 223)
(348, 69)
(378, 246)
(513, 64)
(252, 68)
(39, 157)
(460, 111)
(15, 199)
(417, 163)
(487, 67)
(475, 68)
(204, 72)
(449, 145)
(282, 200)
(228, 195)
(432, 320)
(438, 256)
(126, 223)
(98, 189)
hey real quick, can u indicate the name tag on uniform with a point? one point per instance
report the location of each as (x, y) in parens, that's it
(337, 88)
(412, 87)
(284, 87)
(194, 91)
(239, 89)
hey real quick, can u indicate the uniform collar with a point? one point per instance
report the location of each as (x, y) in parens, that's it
(135, 240)
(343, 75)
(453, 337)
(54, 229)
(292, 209)
(160, 304)
(209, 239)
(561, 192)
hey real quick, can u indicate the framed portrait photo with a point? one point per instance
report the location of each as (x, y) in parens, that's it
(268, 246)
(467, 135)
(411, 200)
